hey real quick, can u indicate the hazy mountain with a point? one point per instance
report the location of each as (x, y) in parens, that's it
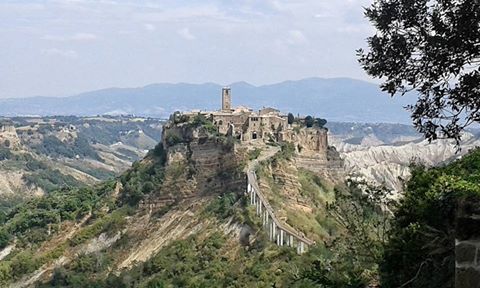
(338, 99)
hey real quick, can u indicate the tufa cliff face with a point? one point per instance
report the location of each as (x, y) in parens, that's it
(199, 162)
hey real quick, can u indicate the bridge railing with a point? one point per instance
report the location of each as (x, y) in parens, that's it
(278, 232)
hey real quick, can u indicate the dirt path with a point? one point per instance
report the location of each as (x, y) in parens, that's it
(265, 154)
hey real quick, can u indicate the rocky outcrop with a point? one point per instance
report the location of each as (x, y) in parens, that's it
(201, 163)
(9, 137)
(389, 164)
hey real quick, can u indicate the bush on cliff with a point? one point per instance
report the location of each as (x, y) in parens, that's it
(144, 177)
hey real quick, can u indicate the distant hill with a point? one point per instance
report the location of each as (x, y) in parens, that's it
(337, 99)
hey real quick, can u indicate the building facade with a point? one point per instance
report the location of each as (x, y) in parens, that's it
(267, 124)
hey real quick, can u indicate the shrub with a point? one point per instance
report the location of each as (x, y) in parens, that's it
(309, 121)
(172, 139)
(253, 154)
(5, 154)
(290, 118)
(4, 239)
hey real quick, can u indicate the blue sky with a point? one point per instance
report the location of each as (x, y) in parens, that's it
(63, 47)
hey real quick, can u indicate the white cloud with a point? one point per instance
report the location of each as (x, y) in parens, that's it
(296, 37)
(53, 38)
(71, 54)
(82, 37)
(186, 34)
(270, 34)
(149, 27)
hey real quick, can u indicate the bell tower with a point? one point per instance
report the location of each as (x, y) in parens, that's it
(226, 99)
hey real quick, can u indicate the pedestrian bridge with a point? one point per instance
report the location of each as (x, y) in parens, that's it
(277, 232)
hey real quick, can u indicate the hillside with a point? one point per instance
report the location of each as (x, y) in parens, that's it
(180, 217)
(177, 218)
(337, 99)
(40, 155)
(383, 153)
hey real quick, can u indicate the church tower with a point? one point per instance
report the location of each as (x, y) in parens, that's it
(226, 99)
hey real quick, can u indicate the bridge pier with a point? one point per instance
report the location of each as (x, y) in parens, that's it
(277, 233)
(300, 247)
(272, 224)
(274, 229)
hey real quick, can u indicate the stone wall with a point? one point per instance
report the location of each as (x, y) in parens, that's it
(223, 121)
(262, 126)
(308, 141)
(467, 243)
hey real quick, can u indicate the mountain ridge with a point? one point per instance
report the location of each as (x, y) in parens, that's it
(336, 99)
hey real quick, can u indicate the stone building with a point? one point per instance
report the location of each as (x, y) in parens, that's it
(226, 99)
(267, 124)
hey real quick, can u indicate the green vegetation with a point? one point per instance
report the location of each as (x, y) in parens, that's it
(98, 173)
(314, 122)
(286, 153)
(290, 118)
(321, 122)
(202, 121)
(36, 220)
(172, 139)
(110, 130)
(50, 180)
(421, 249)
(253, 154)
(210, 262)
(52, 146)
(110, 223)
(344, 221)
(39, 173)
(315, 188)
(309, 121)
(144, 176)
(31, 221)
(223, 207)
(398, 52)
(5, 154)
(362, 238)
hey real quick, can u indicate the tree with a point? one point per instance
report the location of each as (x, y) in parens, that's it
(4, 239)
(291, 118)
(433, 48)
(309, 121)
(321, 122)
(364, 211)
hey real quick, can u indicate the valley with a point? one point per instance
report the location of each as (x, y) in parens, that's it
(40, 155)
(121, 217)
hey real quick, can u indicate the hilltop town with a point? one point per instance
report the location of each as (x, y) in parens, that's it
(266, 126)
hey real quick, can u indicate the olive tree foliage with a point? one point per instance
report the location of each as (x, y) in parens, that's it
(431, 47)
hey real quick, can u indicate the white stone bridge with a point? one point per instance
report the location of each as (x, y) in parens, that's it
(277, 232)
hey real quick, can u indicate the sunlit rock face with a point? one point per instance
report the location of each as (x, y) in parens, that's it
(388, 163)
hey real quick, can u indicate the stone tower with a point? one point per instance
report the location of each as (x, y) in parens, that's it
(226, 99)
